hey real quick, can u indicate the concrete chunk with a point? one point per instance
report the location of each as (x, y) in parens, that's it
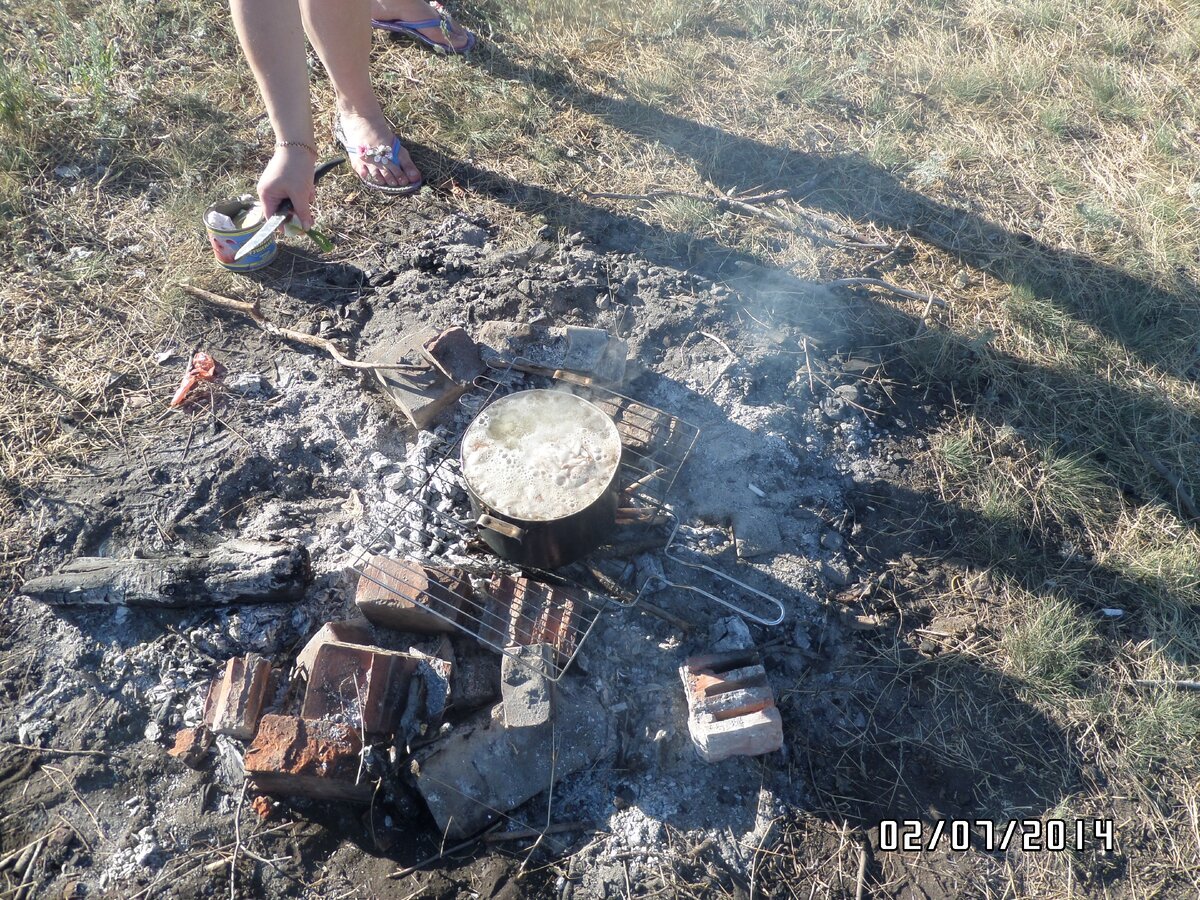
(428, 695)
(755, 533)
(471, 776)
(525, 686)
(595, 352)
(475, 680)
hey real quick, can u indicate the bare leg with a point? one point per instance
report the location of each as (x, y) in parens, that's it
(418, 11)
(340, 32)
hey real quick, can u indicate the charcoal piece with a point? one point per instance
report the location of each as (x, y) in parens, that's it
(237, 571)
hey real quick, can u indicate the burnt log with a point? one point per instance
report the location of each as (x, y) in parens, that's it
(237, 571)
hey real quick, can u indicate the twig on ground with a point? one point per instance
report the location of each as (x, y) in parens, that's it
(808, 367)
(252, 310)
(862, 872)
(25, 888)
(237, 842)
(75, 793)
(729, 362)
(659, 612)
(443, 853)
(752, 206)
(751, 200)
(1182, 494)
(522, 834)
(1167, 682)
(928, 299)
(53, 751)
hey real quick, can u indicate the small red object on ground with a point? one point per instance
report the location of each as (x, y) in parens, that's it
(202, 368)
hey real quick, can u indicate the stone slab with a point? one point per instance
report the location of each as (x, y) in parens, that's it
(472, 776)
(595, 352)
(420, 395)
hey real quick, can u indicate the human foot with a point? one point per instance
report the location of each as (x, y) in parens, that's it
(439, 31)
(375, 152)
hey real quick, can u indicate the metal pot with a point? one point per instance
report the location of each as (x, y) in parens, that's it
(516, 531)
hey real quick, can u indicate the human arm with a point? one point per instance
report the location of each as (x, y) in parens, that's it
(273, 42)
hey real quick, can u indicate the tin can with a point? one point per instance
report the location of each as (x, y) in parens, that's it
(226, 242)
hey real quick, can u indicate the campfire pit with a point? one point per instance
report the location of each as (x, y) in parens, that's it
(433, 526)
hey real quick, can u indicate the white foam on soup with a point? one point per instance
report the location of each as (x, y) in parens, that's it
(540, 455)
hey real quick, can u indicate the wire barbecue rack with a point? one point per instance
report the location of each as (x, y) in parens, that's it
(426, 554)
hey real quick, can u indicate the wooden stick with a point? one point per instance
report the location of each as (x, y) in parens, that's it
(928, 299)
(1182, 494)
(54, 751)
(644, 480)
(1164, 682)
(27, 879)
(769, 197)
(749, 206)
(862, 872)
(401, 873)
(252, 310)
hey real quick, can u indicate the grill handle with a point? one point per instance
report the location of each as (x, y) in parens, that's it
(745, 613)
(499, 526)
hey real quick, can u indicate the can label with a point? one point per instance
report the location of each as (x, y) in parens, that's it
(225, 244)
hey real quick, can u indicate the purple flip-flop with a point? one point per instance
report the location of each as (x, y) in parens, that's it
(413, 30)
(378, 155)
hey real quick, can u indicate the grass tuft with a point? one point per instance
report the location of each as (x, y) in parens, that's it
(1050, 646)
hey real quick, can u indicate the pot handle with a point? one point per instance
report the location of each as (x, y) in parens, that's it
(499, 526)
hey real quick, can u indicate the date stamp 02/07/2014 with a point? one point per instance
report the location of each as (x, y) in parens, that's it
(1030, 835)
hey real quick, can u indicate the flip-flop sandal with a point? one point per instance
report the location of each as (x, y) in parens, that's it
(413, 30)
(379, 156)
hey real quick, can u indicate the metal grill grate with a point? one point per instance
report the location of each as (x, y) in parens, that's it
(411, 558)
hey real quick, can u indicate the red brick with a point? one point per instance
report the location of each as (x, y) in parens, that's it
(351, 631)
(522, 611)
(235, 699)
(731, 708)
(400, 593)
(295, 757)
(365, 686)
(191, 746)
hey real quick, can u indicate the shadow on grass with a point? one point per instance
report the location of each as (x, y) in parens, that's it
(1156, 324)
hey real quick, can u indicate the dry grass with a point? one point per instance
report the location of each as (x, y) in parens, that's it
(1040, 152)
